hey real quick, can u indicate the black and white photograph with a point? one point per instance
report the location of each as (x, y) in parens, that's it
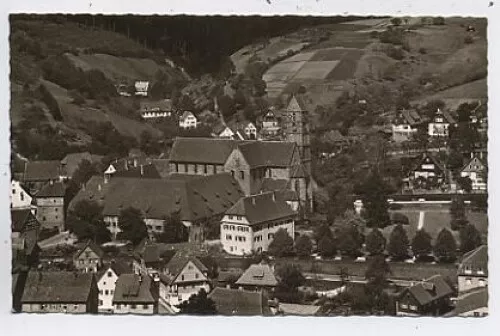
(249, 165)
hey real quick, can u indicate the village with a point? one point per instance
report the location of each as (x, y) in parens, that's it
(247, 194)
(225, 216)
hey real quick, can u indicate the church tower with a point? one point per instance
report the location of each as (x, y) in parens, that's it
(296, 128)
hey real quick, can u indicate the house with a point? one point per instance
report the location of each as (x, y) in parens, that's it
(59, 292)
(25, 230)
(473, 270)
(136, 294)
(250, 131)
(240, 302)
(477, 171)
(70, 163)
(258, 277)
(19, 196)
(227, 133)
(106, 282)
(188, 120)
(250, 224)
(184, 276)
(270, 123)
(427, 173)
(50, 205)
(283, 187)
(141, 88)
(430, 297)
(39, 173)
(440, 124)
(249, 162)
(404, 126)
(195, 199)
(88, 258)
(132, 168)
(156, 109)
(471, 304)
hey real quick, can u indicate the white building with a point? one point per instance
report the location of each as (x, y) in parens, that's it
(439, 126)
(141, 88)
(227, 133)
(251, 223)
(250, 131)
(476, 170)
(106, 282)
(404, 126)
(19, 197)
(188, 120)
(157, 109)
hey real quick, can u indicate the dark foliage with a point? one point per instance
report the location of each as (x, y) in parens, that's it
(421, 244)
(445, 248)
(173, 230)
(132, 225)
(375, 242)
(327, 246)
(470, 238)
(290, 278)
(373, 192)
(198, 304)
(303, 246)
(281, 245)
(398, 243)
(86, 222)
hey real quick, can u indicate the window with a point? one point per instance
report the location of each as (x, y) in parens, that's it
(22, 196)
(145, 306)
(205, 169)
(159, 228)
(100, 291)
(195, 168)
(182, 277)
(232, 173)
(242, 175)
(56, 217)
(13, 191)
(225, 226)
(44, 218)
(110, 274)
(118, 306)
(111, 292)
(476, 314)
(404, 306)
(413, 307)
(196, 276)
(229, 237)
(238, 217)
(106, 292)
(133, 306)
(56, 209)
(101, 303)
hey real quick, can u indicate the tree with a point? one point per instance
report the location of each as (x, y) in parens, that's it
(86, 222)
(470, 238)
(322, 231)
(303, 246)
(446, 246)
(376, 275)
(374, 193)
(398, 243)
(173, 230)
(350, 241)
(375, 242)
(327, 247)
(198, 304)
(132, 225)
(396, 21)
(290, 278)
(457, 213)
(147, 144)
(465, 183)
(281, 245)
(421, 244)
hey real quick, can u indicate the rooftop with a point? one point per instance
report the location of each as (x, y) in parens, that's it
(475, 260)
(431, 289)
(133, 288)
(471, 301)
(64, 287)
(240, 302)
(258, 275)
(52, 189)
(42, 171)
(262, 208)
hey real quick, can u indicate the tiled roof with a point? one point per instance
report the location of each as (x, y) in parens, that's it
(118, 266)
(240, 302)
(201, 150)
(216, 151)
(141, 171)
(52, 189)
(297, 103)
(42, 170)
(258, 275)
(262, 208)
(476, 260)
(179, 260)
(298, 309)
(410, 117)
(93, 246)
(73, 160)
(471, 164)
(186, 114)
(162, 167)
(153, 106)
(64, 287)
(430, 290)
(195, 198)
(133, 288)
(268, 153)
(471, 301)
(19, 219)
(94, 190)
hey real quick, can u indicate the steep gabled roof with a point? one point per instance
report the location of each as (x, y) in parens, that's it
(258, 275)
(42, 170)
(154, 106)
(52, 189)
(73, 160)
(19, 218)
(240, 302)
(470, 165)
(262, 208)
(471, 301)
(268, 153)
(179, 261)
(201, 150)
(431, 158)
(296, 103)
(93, 246)
(475, 260)
(430, 290)
(133, 288)
(64, 287)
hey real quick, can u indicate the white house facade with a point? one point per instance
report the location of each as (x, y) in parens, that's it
(19, 198)
(106, 284)
(188, 120)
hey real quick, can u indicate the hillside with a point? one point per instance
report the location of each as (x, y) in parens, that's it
(49, 70)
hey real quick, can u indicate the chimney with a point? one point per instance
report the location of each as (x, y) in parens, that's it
(142, 170)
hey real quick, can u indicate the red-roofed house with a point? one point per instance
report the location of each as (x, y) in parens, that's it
(251, 223)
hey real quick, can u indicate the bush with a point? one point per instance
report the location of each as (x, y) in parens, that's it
(395, 53)
(51, 103)
(423, 51)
